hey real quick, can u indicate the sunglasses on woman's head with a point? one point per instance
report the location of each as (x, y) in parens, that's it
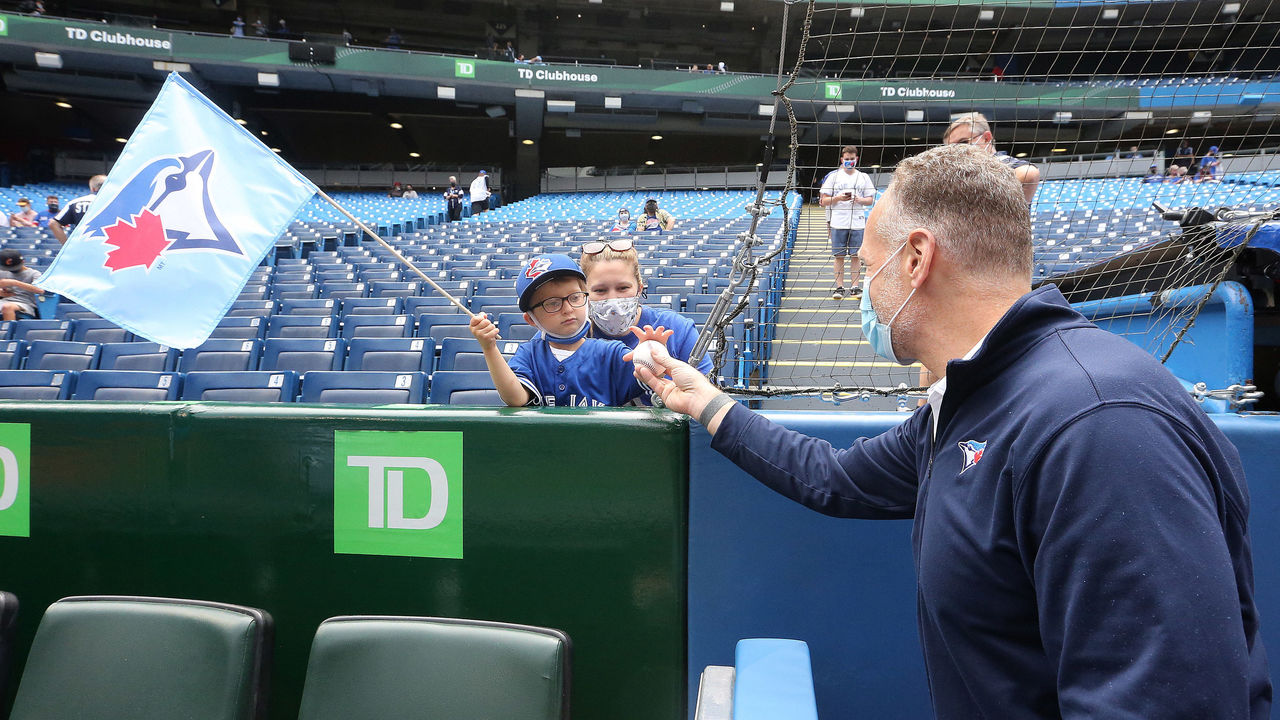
(595, 248)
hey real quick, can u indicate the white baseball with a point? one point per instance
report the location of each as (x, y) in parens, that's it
(642, 356)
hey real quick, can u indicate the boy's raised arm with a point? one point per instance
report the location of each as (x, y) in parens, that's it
(510, 389)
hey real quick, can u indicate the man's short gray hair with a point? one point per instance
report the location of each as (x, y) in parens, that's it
(974, 120)
(970, 201)
(96, 182)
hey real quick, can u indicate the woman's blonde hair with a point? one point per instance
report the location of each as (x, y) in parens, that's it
(587, 262)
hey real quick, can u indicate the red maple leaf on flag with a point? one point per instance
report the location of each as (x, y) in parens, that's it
(137, 243)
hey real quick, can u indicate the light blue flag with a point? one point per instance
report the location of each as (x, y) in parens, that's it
(189, 210)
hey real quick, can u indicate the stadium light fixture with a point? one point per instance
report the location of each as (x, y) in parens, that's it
(655, 137)
(526, 141)
(857, 12)
(1021, 154)
(726, 6)
(1171, 131)
(765, 110)
(242, 121)
(263, 133)
(595, 2)
(1110, 14)
(396, 126)
(841, 108)
(1139, 115)
(122, 140)
(1230, 8)
(444, 92)
(48, 60)
(63, 104)
(164, 66)
(275, 150)
(875, 167)
(1201, 116)
(915, 116)
(269, 79)
(612, 103)
(1062, 117)
(561, 106)
(415, 155)
(648, 162)
(1059, 150)
(986, 15)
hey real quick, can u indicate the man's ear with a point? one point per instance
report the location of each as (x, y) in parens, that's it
(919, 255)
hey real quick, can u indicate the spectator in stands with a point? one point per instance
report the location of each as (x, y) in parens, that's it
(347, 37)
(1204, 174)
(453, 198)
(259, 28)
(25, 216)
(410, 193)
(17, 294)
(623, 223)
(1211, 161)
(73, 213)
(480, 193)
(1134, 153)
(1175, 174)
(52, 205)
(282, 27)
(1185, 154)
(847, 192)
(720, 68)
(1153, 175)
(237, 27)
(654, 219)
(396, 190)
(510, 52)
(973, 128)
(615, 288)
(393, 39)
(560, 366)
(1077, 542)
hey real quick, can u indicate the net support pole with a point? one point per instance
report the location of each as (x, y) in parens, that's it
(407, 263)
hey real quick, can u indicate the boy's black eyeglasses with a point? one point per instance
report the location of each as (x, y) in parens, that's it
(595, 248)
(553, 304)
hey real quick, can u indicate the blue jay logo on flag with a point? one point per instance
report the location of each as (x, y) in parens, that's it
(190, 208)
(177, 213)
(972, 450)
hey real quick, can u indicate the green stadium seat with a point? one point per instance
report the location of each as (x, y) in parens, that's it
(404, 667)
(146, 658)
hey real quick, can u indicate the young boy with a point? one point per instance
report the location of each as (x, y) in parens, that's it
(17, 294)
(560, 366)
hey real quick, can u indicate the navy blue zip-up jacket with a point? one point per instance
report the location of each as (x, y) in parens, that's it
(1081, 528)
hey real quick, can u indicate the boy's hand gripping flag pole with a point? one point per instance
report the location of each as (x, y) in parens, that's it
(190, 208)
(395, 252)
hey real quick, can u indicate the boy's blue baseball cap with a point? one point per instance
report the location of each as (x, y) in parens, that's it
(542, 269)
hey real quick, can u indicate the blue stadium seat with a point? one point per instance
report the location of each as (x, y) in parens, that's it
(364, 387)
(292, 291)
(245, 386)
(301, 326)
(438, 325)
(303, 354)
(239, 328)
(493, 306)
(337, 290)
(141, 356)
(355, 326)
(6, 329)
(11, 354)
(127, 386)
(464, 388)
(30, 330)
(372, 306)
(97, 330)
(252, 308)
(391, 354)
(72, 311)
(394, 288)
(36, 384)
(463, 353)
(309, 306)
(222, 356)
(61, 355)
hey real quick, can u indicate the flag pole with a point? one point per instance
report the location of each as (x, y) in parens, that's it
(395, 252)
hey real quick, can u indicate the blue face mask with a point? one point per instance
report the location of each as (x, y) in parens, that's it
(565, 339)
(878, 334)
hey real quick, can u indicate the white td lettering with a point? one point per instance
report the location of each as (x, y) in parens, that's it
(9, 479)
(393, 496)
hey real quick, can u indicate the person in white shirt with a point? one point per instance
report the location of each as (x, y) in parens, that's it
(847, 193)
(480, 193)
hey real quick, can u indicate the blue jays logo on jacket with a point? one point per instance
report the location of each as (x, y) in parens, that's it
(537, 267)
(165, 207)
(972, 450)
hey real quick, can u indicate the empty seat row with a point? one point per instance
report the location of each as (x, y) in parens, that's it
(256, 386)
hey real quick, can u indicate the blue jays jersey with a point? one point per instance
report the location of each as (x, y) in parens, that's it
(595, 375)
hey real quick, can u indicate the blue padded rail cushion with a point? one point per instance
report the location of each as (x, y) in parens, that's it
(774, 680)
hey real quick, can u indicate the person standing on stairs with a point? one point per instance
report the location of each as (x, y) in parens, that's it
(847, 193)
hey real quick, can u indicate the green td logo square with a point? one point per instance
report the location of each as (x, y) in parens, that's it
(397, 493)
(464, 68)
(4, 25)
(15, 479)
(833, 91)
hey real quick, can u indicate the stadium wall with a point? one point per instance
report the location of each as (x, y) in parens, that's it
(565, 525)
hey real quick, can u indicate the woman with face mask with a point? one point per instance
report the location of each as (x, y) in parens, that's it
(614, 291)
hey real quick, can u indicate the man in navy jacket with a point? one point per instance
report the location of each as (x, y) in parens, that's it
(1081, 526)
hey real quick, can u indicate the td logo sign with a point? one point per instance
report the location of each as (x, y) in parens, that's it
(15, 479)
(464, 68)
(397, 493)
